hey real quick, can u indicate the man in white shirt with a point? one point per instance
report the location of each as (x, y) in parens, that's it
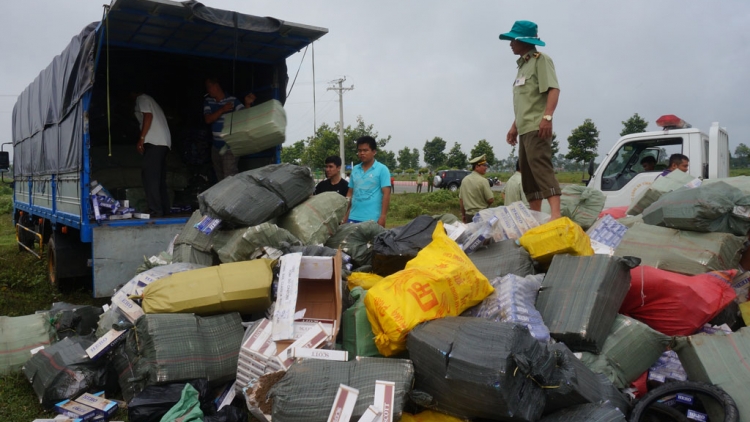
(154, 143)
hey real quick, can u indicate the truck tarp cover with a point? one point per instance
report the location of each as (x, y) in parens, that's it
(47, 118)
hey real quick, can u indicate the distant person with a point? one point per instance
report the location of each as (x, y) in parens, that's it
(420, 180)
(430, 178)
(333, 181)
(154, 144)
(475, 194)
(393, 184)
(370, 186)
(535, 95)
(215, 105)
(676, 162)
(648, 163)
(513, 190)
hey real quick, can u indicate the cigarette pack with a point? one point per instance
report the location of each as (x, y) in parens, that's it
(104, 408)
(385, 395)
(696, 416)
(75, 410)
(343, 404)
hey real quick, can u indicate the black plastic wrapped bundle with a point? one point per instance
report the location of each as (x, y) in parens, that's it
(395, 247)
(602, 412)
(474, 368)
(355, 239)
(502, 258)
(580, 298)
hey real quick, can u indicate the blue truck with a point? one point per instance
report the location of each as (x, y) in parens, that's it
(73, 127)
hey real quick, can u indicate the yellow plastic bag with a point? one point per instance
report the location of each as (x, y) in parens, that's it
(363, 280)
(429, 416)
(441, 281)
(745, 310)
(556, 237)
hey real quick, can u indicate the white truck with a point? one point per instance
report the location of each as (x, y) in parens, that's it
(621, 177)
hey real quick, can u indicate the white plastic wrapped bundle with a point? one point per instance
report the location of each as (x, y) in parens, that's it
(513, 301)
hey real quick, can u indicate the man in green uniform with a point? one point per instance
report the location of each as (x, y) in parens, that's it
(513, 191)
(535, 95)
(475, 193)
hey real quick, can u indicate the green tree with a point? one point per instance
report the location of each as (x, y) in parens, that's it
(387, 158)
(414, 158)
(634, 124)
(742, 155)
(324, 144)
(555, 145)
(293, 153)
(456, 158)
(583, 142)
(351, 134)
(408, 159)
(484, 147)
(434, 152)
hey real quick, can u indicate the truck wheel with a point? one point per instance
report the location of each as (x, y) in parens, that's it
(52, 263)
(453, 187)
(731, 414)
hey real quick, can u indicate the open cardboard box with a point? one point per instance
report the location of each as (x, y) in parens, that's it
(318, 292)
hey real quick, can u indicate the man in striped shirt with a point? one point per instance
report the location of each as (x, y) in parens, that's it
(215, 105)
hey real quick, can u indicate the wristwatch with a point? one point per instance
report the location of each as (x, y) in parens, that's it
(547, 117)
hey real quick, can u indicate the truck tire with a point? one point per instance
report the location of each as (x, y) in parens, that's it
(66, 262)
(731, 414)
(453, 187)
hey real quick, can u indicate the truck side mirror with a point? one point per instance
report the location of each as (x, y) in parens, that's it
(4, 160)
(591, 168)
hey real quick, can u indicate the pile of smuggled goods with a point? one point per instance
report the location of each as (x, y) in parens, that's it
(266, 308)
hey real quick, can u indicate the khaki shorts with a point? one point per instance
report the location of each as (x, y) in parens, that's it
(537, 174)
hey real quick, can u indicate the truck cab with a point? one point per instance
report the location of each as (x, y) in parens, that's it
(621, 176)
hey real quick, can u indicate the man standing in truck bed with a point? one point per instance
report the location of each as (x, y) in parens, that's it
(535, 95)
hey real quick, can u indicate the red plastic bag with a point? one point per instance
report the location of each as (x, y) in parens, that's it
(676, 304)
(615, 212)
(640, 385)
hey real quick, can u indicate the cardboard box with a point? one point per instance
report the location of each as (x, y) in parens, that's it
(312, 284)
(343, 404)
(75, 410)
(104, 408)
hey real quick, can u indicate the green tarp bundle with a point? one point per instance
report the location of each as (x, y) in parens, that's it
(308, 389)
(255, 129)
(245, 244)
(315, 220)
(164, 348)
(681, 251)
(502, 258)
(673, 181)
(630, 349)
(580, 297)
(582, 204)
(740, 182)
(715, 207)
(720, 359)
(188, 254)
(575, 383)
(359, 339)
(355, 240)
(18, 335)
(194, 237)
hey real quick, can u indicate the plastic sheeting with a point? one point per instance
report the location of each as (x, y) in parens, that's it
(600, 412)
(315, 220)
(155, 401)
(19, 335)
(358, 338)
(245, 245)
(164, 348)
(474, 368)
(63, 371)
(581, 204)
(395, 247)
(716, 207)
(502, 258)
(356, 240)
(309, 387)
(71, 320)
(190, 235)
(255, 196)
(630, 349)
(255, 129)
(673, 181)
(681, 251)
(580, 297)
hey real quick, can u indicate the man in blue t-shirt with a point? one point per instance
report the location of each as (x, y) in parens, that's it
(215, 105)
(369, 186)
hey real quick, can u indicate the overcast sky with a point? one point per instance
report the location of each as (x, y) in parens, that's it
(422, 69)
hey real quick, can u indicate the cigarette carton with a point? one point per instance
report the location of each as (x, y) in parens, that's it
(128, 308)
(311, 340)
(104, 408)
(385, 393)
(322, 354)
(75, 410)
(372, 414)
(343, 404)
(105, 343)
(141, 215)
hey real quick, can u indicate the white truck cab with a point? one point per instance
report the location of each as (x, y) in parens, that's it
(621, 177)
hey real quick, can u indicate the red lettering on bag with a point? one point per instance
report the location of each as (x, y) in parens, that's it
(424, 295)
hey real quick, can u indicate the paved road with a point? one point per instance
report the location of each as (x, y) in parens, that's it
(411, 187)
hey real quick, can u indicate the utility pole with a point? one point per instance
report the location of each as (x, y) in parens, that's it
(341, 90)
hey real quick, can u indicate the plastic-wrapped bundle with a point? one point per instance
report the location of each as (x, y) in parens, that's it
(358, 338)
(255, 196)
(513, 301)
(63, 371)
(316, 219)
(667, 367)
(715, 207)
(580, 297)
(164, 348)
(395, 247)
(255, 129)
(190, 235)
(559, 236)
(600, 412)
(245, 245)
(512, 221)
(681, 251)
(186, 254)
(356, 241)
(309, 387)
(607, 231)
(581, 204)
(630, 349)
(474, 368)
(74, 320)
(20, 335)
(673, 181)
(155, 400)
(502, 258)
(135, 286)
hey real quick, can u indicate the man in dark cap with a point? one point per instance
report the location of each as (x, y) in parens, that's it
(475, 193)
(535, 95)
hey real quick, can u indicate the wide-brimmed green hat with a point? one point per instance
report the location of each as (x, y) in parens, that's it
(524, 31)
